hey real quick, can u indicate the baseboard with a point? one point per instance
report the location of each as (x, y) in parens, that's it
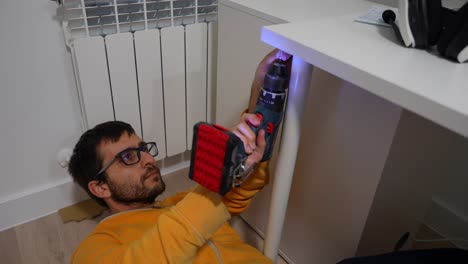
(448, 222)
(46, 199)
(38, 202)
(262, 235)
(175, 167)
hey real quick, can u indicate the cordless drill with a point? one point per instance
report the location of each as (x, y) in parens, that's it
(218, 155)
(270, 104)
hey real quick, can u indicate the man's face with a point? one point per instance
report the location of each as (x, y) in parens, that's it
(138, 183)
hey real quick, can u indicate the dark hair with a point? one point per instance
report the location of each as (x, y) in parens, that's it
(86, 162)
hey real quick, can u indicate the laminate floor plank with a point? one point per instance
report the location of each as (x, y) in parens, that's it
(40, 241)
(9, 252)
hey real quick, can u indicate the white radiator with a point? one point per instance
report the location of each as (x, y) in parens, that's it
(147, 63)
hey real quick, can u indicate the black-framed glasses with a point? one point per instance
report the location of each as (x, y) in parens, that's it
(131, 156)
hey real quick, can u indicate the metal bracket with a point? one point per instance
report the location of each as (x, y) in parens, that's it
(242, 173)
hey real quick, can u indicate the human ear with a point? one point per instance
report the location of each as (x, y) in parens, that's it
(99, 189)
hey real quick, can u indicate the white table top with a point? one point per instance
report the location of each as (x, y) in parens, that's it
(281, 11)
(370, 57)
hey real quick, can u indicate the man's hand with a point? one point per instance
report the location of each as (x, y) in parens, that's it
(254, 146)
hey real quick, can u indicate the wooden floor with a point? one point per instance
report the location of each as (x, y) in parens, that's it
(48, 240)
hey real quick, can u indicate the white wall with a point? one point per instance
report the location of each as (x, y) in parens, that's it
(454, 191)
(38, 110)
(448, 213)
(238, 57)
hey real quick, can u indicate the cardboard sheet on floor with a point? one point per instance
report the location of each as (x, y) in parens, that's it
(83, 210)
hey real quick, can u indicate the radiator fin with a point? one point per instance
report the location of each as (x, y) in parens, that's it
(196, 67)
(173, 64)
(121, 57)
(148, 54)
(91, 69)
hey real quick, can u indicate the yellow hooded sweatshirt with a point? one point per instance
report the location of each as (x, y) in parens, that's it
(186, 228)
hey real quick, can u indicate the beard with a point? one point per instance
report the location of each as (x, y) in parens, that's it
(138, 193)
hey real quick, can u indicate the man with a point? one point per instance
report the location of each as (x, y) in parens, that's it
(119, 171)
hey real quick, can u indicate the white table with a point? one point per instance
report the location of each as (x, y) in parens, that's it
(369, 57)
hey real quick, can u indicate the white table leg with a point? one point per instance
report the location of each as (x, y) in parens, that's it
(298, 88)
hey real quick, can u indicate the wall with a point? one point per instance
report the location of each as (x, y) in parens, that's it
(448, 212)
(238, 57)
(39, 113)
(424, 156)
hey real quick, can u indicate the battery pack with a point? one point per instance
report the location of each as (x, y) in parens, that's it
(217, 154)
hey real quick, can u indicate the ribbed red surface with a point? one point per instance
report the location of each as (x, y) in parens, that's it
(209, 157)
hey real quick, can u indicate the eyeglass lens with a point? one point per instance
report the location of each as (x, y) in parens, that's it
(132, 155)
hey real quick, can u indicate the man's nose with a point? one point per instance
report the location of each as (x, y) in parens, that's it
(146, 158)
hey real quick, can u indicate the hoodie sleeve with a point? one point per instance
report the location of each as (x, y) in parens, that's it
(238, 199)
